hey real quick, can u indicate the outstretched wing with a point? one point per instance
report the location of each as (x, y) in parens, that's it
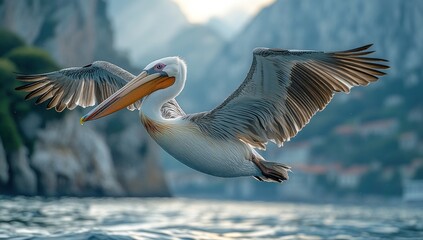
(77, 86)
(283, 90)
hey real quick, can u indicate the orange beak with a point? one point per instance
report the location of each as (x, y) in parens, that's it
(139, 87)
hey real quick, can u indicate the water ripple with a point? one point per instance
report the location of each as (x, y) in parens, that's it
(121, 219)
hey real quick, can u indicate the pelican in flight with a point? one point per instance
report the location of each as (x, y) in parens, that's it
(281, 92)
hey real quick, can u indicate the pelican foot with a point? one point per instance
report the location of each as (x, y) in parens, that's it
(272, 171)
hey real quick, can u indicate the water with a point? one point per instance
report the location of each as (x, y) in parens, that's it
(73, 218)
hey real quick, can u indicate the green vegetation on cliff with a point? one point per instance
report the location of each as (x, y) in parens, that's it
(15, 57)
(31, 60)
(9, 41)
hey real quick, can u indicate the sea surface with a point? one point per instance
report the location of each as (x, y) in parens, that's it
(138, 218)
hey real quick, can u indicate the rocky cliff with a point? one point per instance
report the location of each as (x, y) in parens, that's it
(73, 32)
(73, 160)
(113, 157)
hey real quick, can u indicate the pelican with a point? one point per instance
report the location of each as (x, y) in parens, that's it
(281, 92)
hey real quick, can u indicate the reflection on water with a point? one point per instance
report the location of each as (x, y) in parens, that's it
(73, 218)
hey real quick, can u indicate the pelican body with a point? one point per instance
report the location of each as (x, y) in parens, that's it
(186, 142)
(281, 92)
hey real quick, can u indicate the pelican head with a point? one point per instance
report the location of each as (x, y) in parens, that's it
(167, 73)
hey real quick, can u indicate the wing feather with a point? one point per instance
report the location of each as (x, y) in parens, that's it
(171, 109)
(283, 90)
(77, 86)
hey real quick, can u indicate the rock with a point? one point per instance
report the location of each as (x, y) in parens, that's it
(74, 160)
(4, 167)
(23, 177)
(30, 125)
(73, 32)
(136, 159)
(135, 155)
(142, 44)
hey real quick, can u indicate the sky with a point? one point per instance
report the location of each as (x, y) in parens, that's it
(200, 11)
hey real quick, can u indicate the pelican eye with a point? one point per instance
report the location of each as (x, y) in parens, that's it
(159, 66)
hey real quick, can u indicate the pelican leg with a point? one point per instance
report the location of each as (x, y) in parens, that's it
(272, 172)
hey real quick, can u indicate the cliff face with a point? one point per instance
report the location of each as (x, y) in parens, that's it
(97, 159)
(4, 166)
(73, 160)
(73, 32)
(135, 156)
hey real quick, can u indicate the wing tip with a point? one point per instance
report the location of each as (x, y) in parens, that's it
(359, 49)
(29, 77)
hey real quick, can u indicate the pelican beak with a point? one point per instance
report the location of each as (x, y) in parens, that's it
(139, 87)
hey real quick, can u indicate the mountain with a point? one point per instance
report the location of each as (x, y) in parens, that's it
(142, 27)
(229, 25)
(325, 25)
(198, 46)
